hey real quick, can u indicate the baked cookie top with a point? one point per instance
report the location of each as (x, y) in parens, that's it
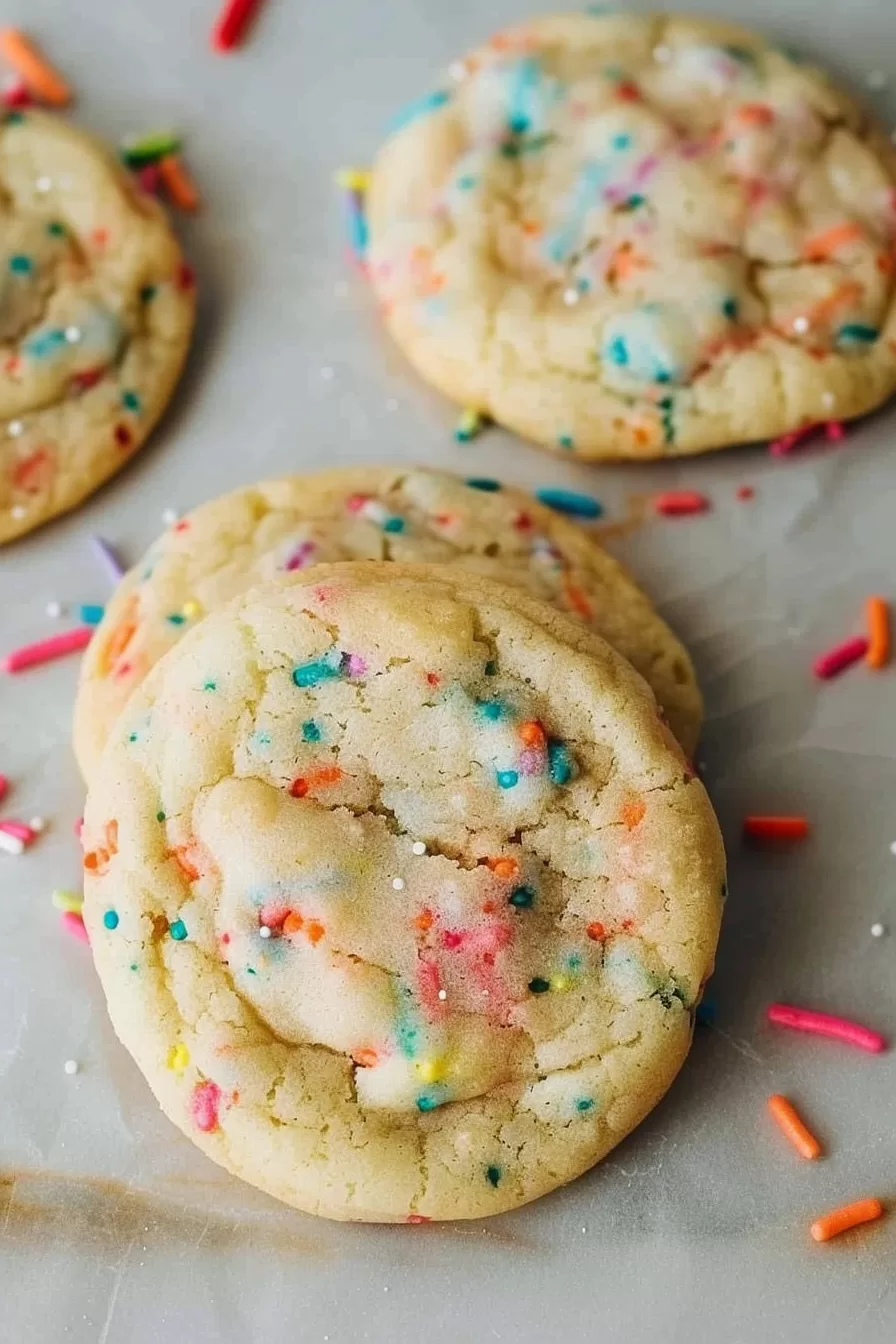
(96, 311)
(401, 893)
(226, 546)
(639, 235)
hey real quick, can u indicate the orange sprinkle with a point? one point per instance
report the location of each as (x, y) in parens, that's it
(841, 1220)
(633, 814)
(121, 636)
(424, 921)
(366, 1057)
(488, 907)
(877, 618)
(579, 602)
(327, 774)
(178, 183)
(755, 114)
(314, 930)
(185, 863)
(820, 247)
(790, 1124)
(292, 923)
(532, 733)
(95, 860)
(532, 228)
(596, 931)
(508, 868)
(45, 83)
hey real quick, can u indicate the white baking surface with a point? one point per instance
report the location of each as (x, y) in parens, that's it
(113, 1228)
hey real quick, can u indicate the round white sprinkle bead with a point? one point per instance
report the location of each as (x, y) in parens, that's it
(71, 1066)
(571, 296)
(169, 516)
(37, 824)
(54, 610)
(43, 184)
(264, 931)
(443, 994)
(801, 325)
(398, 884)
(14, 428)
(73, 335)
(18, 511)
(877, 930)
(418, 847)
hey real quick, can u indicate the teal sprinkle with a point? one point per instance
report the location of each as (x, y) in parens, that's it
(147, 293)
(667, 405)
(522, 898)
(210, 686)
(583, 1104)
(90, 613)
(729, 309)
(491, 668)
(21, 265)
(393, 525)
(310, 731)
(617, 350)
(160, 816)
(621, 141)
(569, 501)
(560, 764)
(663, 376)
(419, 108)
(565, 441)
(427, 1102)
(178, 930)
(134, 966)
(13, 118)
(55, 229)
(493, 710)
(132, 737)
(634, 201)
(110, 919)
(493, 1176)
(507, 779)
(250, 970)
(573, 962)
(467, 182)
(45, 343)
(176, 618)
(131, 402)
(309, 674)
(856, 333)
(485, 483)
(539, 985)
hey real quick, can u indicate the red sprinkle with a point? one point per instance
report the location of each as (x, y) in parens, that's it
(825, 1024)
(16, 94)
(838, 659)
(123, 436)
(4, 785)
(298, 788)
(745, 492)
(678, 503)
(30, 655)
(834, 431)
(149, 178)
(232, 23)
(776, 828)
(186, 276)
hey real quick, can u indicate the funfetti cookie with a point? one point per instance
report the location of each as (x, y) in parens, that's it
(224, 547)
(636, 236)
(96, 311)
(401, 893)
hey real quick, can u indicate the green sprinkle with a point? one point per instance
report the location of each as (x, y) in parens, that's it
(178, 930)
(131, 402)
(160, 816)
(491, 668)
(729, 309)
(484, 483)
(565, 441)
(55, 229)
(493, 1176)
(176, 618)
(250, 970)
(20, 264)
(210, 686)
(110, 919)
(147, 293)
(539, 985)
(138, 151)
(522, 897)
(132, 737)
(507, 779)
(583, 1104)
(427, 1102)
(310, 731)
(134, 966)
(634, 201)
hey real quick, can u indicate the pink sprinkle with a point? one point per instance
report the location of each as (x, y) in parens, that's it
(15, 94)
(78, 827)
(4, 785)
(74, 924)
(204, 1105)
(531, 762)
(30, 655)
(149, 178)
(824, 1024)
(356, 666)
(300, 556)
(834, 430)
(355, 503)
(417, 1218)
(836, 660)
(19, 830)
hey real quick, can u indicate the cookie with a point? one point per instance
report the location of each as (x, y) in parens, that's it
(225, 547)
(401, 893)
(635, 236)
(96, 311)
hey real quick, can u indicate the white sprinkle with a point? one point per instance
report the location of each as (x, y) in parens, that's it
(876, 79)
(11, 843)
(662, 54)
(443, 994)
(169, 516)
(18, 511)
(385, 1289)
(14, 428)
(43, 184)
(264, 931)
(877, 930)
(418, 847)
(71, 1066)
(801, 325)
(54, 610)
(398, 884)
(571, 296)
(828, 400)
(327, 374)
(73, 335)
(37, 824)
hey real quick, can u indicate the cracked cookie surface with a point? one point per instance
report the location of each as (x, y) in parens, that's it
(96, 311)
(401, 893)
(225, 547)
(639, 236)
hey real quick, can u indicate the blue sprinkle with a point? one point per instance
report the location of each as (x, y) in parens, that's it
(617, 350)
(559, 763)
(176, 618)
(419, 108)
(569, 501)
(483, 483)
(91, 614)
(310, 731)
(467, 182)
(309, 674)
(493, 710)
(110, 919)
(584, 1104)
(20, 264)
(393, 525)
(621, 141)
(523, 898)
(507, 779)
(427, 1102)
(178, 931)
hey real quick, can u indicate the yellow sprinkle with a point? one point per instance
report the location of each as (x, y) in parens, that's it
(353, 179)
(431, 1070)
(560, 982)
(69, 901)
(178, 1057)
(469, 425)
(191, 608)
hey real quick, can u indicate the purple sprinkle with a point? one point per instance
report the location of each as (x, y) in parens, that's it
(107, 557)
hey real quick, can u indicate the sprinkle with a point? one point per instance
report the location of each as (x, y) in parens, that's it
(138, 151)
(178, 183)
(15, 428)
(430, 1070)
(430, 102)
(43, 185)
(4, 786)
(264, 931)
(596, 931)
(775, 828)
(310, 731)
(107, 557)
(493, 1176)
(469, 425)
(507, 779)
(204, 1105)
(71, 1067)
(857, 333)
(31, 655)
(74, 924)
(821, 245)
(484, 483)
(18, 830)
(427, 1103)
(178, 1058)
(398, 884)
(841, 1220)
(788, 1121)
(356, 224)
(522, 898)
(877, 930)
(15, 94)
(570, 502)
(572, 295)
(233, 23)
(45, 83)
(745, 492)
(678, 503)
(309, 674)
(539, 985)
(67, 900)
(560, 764)
(824, 1024)
(110, 919)
(842, 656)
(633, 814)
(877, 618)
(54, 610)
(169, 516)
(11, 844)
(178, 931)
(418, 847)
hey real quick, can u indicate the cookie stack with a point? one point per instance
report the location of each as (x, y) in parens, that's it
(400, 887)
